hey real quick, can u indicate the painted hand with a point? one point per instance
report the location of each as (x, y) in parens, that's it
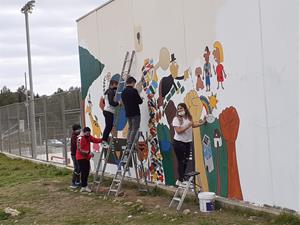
(229, 122)
(194, 104)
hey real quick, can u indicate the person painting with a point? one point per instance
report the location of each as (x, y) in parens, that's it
(183, 124)
(219, 58)
(76, 171)
(109, 111)
(83, 156)
(131, 101)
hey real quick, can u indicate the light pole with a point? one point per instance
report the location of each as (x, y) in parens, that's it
(28, 9)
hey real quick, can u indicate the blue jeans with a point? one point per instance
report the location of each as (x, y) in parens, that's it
(134, 126)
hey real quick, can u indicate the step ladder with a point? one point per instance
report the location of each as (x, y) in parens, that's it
(101, 165)
(105, 152)
(183, 188)
(126, 69)
(129, 155)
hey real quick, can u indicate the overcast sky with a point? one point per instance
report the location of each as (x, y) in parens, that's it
(54, 46)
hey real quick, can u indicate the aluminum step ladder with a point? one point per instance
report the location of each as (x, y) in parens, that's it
(129, 155)
(126, 70)
(101, 165)
(183, 188)
(105, 152)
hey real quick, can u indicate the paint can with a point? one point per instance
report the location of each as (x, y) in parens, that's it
(207, 201)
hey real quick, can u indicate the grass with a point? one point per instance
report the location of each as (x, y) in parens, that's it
(41, 194)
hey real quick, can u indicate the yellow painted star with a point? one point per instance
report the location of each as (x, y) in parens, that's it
(213, 100)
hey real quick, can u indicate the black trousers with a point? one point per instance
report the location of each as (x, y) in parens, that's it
(182, 152)
(84, 166)
(76, 171)
(109, 123)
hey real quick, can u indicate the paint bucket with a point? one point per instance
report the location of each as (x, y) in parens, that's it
(207, 201)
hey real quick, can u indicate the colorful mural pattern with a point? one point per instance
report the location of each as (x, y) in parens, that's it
(213, 143)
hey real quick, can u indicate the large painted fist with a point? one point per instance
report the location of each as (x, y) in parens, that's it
(229, 122)
(194, 104)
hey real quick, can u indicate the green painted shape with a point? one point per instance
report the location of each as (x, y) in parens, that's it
(90, 69)
(209, 129)
(165, 145)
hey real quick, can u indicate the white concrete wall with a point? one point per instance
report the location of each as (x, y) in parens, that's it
(261, 56)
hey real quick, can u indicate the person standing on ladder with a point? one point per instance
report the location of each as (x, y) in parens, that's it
(183, 124)
(131, 101)
(109, 111)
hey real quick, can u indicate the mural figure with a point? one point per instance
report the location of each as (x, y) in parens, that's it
(96, 129)
(213, 142)
(229, 123)
(199, 83)
(207, 69)
(217, 145)
(219, 58)
(149, 86)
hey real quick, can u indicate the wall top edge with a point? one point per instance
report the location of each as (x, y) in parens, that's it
(94, 10)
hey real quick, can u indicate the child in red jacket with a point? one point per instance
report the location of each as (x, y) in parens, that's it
(83, 156)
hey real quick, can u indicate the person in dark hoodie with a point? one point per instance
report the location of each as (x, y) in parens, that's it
(131, 101)
(76, 172)
(83, 156)
(109, 111)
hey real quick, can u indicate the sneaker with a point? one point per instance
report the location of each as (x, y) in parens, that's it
(85, 189)
(178, 182)
(105, 144)
(73, 186)
(77, 184)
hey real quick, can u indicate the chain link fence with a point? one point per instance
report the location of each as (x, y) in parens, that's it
(54, 117)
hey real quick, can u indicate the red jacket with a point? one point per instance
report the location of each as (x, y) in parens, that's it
(84, 146)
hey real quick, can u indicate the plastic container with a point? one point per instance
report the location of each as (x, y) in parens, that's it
(207, 201)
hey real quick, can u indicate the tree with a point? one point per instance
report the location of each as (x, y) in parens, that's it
(59, 90)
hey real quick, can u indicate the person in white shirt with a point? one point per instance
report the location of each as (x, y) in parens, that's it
(183, 125)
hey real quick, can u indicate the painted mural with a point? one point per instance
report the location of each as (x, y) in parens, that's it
(160, 79)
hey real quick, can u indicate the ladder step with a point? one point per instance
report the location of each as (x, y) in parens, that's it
(113, 190)
(116, 180)
(97, 182)
(177, 199)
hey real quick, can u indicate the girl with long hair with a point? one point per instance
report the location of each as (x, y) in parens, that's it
(183, 124)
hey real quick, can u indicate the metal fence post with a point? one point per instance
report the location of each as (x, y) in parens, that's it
(45, 126)
(8, 127)
(62, 102)
(1, 132)
(19, 133)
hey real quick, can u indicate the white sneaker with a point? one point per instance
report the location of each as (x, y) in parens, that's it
(85, 189)
(178, 182)
(73, 186)
(105, 144)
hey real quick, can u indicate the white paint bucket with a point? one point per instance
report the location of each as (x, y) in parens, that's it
(207, 201)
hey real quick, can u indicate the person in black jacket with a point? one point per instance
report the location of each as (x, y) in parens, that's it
(109, 110)
(76, 171)
(131, 101)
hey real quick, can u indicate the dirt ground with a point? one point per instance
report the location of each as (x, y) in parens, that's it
(42, 195)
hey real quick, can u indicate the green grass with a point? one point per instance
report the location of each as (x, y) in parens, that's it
(40, 192)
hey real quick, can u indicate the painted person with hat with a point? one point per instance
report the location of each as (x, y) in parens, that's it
(165, 86)
(83, 156)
